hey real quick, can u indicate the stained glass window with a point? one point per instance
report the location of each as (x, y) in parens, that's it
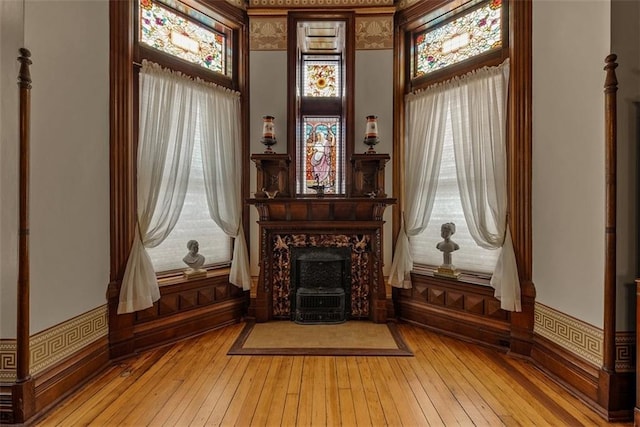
(469, 35)
(162, 29)
(321, 78)
(321, 154)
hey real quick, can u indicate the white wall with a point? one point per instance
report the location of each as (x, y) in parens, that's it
(570, 41)
(11, 39)
(69, 42)
(374, 95)
(268, 96)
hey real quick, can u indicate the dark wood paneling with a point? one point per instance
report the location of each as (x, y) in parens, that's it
(186, 309)
(462, 310)
(187, 323)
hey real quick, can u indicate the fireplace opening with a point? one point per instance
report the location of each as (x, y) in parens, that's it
(320, 289)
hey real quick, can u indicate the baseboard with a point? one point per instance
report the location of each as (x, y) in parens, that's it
(61, 380)
(576, 374)
(612, 399)
(185, 309)
(459, 309)
(58, 381)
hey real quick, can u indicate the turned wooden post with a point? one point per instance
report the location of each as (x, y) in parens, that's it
(610, 89)
(23, 393)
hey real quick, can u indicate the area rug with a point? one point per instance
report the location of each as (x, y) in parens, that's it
(352, 338)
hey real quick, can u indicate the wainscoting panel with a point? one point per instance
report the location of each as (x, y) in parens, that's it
(185, 308)
(455, 308)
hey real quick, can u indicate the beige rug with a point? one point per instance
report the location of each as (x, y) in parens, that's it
(355, 337)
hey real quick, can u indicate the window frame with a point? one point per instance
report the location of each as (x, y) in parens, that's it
(432, 20)
(144, 52)
(125, 62)
(294, 113)
(518, 48)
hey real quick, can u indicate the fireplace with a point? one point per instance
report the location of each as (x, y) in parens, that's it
(351, 226)
(320, 290)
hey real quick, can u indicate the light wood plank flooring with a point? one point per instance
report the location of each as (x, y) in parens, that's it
(447, 383)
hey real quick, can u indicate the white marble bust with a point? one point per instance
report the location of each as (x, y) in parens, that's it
(193, 259)
(447, 245)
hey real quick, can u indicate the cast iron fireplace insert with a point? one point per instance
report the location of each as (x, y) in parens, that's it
(320, 284)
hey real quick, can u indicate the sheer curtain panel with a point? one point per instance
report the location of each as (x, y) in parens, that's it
(479, 135)
(170, 104)
(166, 134)
(425, 119)
(222, 161)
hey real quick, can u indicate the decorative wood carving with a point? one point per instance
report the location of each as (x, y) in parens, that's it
(272, 178)
(368, 175)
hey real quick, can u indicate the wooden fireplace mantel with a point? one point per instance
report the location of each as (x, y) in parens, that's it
(321, 208)
(355, 222)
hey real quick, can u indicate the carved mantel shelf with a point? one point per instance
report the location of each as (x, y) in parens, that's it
(321, 208)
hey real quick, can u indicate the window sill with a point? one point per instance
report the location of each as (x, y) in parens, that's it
(178, 278)
(466, 277)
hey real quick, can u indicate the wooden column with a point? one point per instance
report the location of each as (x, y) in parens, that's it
(122, 167)
(23, 392)
(607, 381)
(519, 150)
(610, 89)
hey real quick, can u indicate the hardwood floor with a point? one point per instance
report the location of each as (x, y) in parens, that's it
(447, 382)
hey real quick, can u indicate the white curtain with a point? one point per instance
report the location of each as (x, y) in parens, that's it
(169, 105)
(166, 134)
(479, 140)
(426, 119)
(222, 161)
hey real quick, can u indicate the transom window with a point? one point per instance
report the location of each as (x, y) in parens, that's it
(185, 33)
(477, 31)
(321, 77)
